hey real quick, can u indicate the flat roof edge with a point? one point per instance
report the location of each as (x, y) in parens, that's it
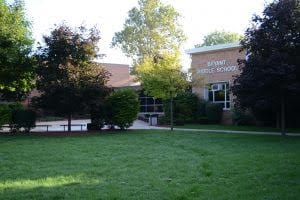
(212, 48)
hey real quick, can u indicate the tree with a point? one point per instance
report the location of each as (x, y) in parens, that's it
(94, 92)
(16, 64)
(270, 76)
(162, 77)
(219, 37)
(123, 108)
(66, 71)
(151, 28)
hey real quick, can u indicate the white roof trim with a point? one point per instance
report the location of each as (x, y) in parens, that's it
(212, 48)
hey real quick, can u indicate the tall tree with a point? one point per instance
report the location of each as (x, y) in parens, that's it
(16, 64)
(66, 70)
(271, 71)
(151, 28)
(162, 77)
(219, 37)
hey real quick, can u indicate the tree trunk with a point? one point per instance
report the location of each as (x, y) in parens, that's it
(278, 119)
(69, 122)
(171, 113)
(282, 115)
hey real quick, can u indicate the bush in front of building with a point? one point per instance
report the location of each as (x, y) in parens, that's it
(17, 117)
(188, 108)
(242, 117)
(23, 118)
(6, 112)
(213, 112)
(185, 109)
(122, 107)
(201, 111)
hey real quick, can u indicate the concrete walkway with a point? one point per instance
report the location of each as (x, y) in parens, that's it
(236, 132)
(138, 124)
(141, 125)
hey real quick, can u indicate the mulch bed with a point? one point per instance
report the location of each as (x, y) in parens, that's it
(64, 133)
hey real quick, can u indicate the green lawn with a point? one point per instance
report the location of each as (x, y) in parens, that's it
(150, 165)
(236, 128)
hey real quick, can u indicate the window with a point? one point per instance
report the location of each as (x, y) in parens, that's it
(150, 105)
(219, 93)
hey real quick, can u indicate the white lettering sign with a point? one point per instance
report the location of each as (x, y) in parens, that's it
(217, 66)
(216, 63)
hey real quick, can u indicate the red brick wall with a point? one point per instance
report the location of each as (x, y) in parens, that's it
(219, 60)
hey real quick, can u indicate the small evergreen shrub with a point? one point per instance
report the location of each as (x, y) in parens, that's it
(163, 120)
(185, 108)
(95, 126)
(23, 118)
(201, 113)
(241, 117)
(122, 107)
(5, 114)
(213, 112)
(97, 119)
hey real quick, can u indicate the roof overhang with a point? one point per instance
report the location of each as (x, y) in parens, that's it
(213, 48)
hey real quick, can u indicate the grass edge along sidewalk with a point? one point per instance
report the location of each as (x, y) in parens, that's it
(236, 129)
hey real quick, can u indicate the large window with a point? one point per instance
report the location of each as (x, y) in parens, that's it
(150, 105)
(219, 93)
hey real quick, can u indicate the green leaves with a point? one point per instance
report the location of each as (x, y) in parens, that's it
(219, 37)
(122, 108)
(150, 28)
(68, 79)
(16, 64)
(271, 68)
(162, 77)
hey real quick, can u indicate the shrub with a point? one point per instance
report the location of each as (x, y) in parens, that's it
(5, 114)
(185, 108)
(241, 117)
(97, 118)
(23, 118)
(95, 126)
(213, 112)
(201, 110)
(122, 107)
(163, 120)
(15, 106)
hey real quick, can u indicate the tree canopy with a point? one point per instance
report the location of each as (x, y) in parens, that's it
(16, 64)
(162, 77)
(219, 37)
(66, 71)
(150, 28)
(270, 79)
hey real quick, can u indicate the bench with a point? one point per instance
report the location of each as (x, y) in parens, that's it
(39, 125)
(5, 126)
(66, 125)
(42, 125)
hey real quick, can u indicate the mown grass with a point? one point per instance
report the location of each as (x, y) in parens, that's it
(236, 128)
(150, 165)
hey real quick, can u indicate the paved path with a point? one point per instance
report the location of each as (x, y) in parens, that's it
(236, 132)
(138, 124)
(143, 125)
